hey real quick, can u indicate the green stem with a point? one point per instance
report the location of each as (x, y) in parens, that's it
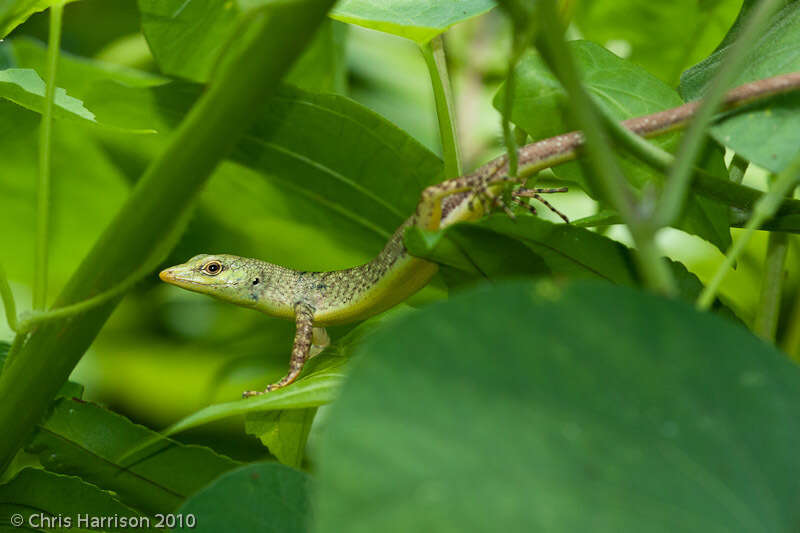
(16, 345)
(435, 59)
(508, 134)
(605, 175)
(8, 301)
(791, 343)
(45, 152)
(29, 321)
(161, 198)
(764, 209)
(738, 168)
(679, 177)
(766, 323)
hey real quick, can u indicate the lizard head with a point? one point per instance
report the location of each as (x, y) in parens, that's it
(225, 276)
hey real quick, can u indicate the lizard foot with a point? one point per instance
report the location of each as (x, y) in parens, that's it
(270, 388)
(537, 194)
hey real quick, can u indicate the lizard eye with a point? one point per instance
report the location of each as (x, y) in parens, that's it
(212, 268)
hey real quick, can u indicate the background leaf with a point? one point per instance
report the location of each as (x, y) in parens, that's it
(624, 90)
(186, 39)
(663, 38)
(418, 20)
(765, 133)
(15, 12)
(264, 497)
(86, 440)
(592, 414)
(65, 498)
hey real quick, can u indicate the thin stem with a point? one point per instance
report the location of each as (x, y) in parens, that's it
(766, 323)
(791, 342)
(765, 207)
(677, 186)
(606, 173)
(8, 300)
(45, 149)
(738, 168)
(508, 105)
(435, 59)
(157, 204)
(30, 320)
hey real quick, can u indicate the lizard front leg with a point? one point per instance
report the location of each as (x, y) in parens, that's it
(304, 337)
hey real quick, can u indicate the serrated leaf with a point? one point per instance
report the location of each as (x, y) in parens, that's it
(624, 90)
(264, 497)
(591, 407)
(86, 440)
(765, 133)
(38, 496)
(284, 432)
(15, 12)
(24, 87)
(418, 20)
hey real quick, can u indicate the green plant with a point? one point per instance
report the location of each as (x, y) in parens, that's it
(569, 381)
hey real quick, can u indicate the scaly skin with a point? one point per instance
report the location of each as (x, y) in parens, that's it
(318, 299)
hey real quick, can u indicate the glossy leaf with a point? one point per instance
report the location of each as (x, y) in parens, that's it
(528, 407)
(37, 496)
(15, 12)
(284, 432)
(418, 20)
(624, 90)
(86, 440)
(765, 133)
(264, 497)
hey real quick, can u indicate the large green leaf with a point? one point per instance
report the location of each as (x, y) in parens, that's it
(285, 432)
(533, 407)
(624, 90)
(264, 497)
(662, 37)
(317, 189)
(87, 190)
(86, 440)
(52, 502)
(418, 20)
(765, 133)
(15, 12)
(186, 39)
(498, 248)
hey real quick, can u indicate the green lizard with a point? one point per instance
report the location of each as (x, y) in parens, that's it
(318, 299)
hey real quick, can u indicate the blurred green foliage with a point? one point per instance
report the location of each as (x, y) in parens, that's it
(465, 391)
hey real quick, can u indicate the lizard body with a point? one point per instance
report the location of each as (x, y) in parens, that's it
(318, 299)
